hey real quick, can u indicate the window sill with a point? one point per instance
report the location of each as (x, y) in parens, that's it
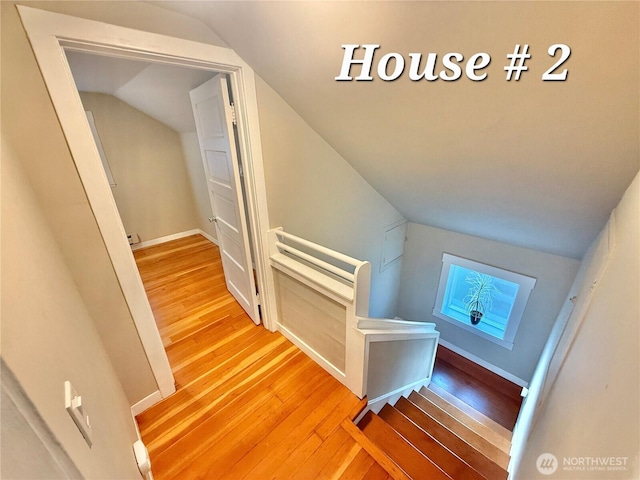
(470, 328)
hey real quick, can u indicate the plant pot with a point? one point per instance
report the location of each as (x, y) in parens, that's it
(475, 316)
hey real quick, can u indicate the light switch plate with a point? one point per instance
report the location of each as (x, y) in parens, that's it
(78, 411)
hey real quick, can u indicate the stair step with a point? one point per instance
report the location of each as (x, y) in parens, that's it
(374, 451)
(405, 455)
(476, 421)
(485, 446)
(489, 468)
(450, 463)
(470, 410)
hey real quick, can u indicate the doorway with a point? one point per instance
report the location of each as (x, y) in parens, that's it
(49, 33)
(167, 143)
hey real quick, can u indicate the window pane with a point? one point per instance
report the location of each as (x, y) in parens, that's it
(498, 305)
(503, 298)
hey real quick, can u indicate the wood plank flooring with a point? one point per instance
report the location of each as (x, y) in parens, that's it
(249, 404)
(476, 386)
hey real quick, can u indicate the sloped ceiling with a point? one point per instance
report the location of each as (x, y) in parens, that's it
(531, 163)
(161, 91)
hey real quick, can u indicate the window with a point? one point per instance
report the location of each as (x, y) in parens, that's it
(500, 295)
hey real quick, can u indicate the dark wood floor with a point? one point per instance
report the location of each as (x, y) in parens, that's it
(249, 404)
(490, 394)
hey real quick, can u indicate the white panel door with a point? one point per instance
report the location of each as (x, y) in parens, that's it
(213, 116)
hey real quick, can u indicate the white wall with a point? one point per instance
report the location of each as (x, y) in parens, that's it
(195, 170)
(63, 313)
(593, 409)
(138, 15)
(153, 189)
(48, 336)
(30, 125)
(26, 450)
(560, 338)
(314, 193)
(419, 286)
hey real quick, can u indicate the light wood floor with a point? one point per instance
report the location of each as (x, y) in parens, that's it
(249, 404)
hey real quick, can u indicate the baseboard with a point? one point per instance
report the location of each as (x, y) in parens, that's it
(166, 238)
(148, 476)
(147, 402)
(208, 237)
(483, 363)
(175, 236)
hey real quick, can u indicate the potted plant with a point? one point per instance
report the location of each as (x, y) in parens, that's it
(480, 296)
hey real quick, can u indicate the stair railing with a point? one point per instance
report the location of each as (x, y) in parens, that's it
(323, 308)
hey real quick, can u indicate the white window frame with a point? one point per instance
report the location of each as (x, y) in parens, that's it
(526, 286)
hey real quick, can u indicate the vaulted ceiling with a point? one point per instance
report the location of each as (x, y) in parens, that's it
(532, 163)
(141, 85)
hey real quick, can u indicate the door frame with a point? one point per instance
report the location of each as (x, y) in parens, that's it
(50, 34)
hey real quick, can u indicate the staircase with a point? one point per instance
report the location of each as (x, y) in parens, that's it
(429, 435)
(434, 435)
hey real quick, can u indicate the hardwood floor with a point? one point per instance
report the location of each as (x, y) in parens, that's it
(483, 390)
(249, 404)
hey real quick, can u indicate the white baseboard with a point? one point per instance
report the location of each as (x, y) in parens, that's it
(208, 237)
(174, 236)
(492, 368)
(147, 402)
(148, 476)
(166, 238)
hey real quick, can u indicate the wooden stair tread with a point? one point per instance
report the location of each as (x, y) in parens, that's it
(476, 421)
(469, 410)
(405, 455)
(359, 467)
(468, 436)
(468, 452)
(448, 461)
(375, 452)
(376, 472)
(481, 444)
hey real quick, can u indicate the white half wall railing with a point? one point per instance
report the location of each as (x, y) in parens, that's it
(323, 308)
(399, 357)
